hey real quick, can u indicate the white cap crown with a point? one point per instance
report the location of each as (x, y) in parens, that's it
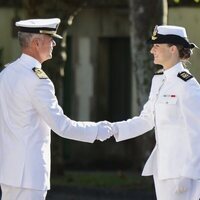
(172, 30)
(43, 26)
(168, 34)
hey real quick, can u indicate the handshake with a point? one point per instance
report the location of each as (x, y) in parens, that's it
(106, 130)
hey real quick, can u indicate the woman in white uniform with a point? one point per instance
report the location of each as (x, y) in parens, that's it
(173, 110)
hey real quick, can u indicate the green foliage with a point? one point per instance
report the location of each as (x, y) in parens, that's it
(193, 3)
(111, 180)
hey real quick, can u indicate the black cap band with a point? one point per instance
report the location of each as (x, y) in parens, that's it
(170, 39)
(35, 30)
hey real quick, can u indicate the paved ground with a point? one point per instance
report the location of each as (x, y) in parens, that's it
(63, 193)
(72, 193)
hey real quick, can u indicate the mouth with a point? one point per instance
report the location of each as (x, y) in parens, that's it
(155, 56)
(51, 50)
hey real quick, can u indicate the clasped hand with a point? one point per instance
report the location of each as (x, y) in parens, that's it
(104, 130)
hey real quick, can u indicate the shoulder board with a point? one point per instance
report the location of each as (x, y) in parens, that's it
(40, 73)
(159, 72)
(184, 76)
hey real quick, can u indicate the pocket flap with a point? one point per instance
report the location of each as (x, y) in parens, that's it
(168, 99)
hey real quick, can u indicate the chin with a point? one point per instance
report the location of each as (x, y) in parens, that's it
(156, 62)
(49, 57)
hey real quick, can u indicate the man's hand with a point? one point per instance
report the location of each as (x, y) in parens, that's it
(115, 130)
(183, 185)
(104, 130)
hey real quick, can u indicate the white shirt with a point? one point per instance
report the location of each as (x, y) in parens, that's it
(173, 109)
(28, 111)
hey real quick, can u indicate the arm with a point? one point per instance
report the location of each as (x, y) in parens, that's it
(140, 124)
(46, 104)
(190, 102)
(137, 125)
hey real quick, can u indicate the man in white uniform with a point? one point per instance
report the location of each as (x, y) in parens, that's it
(173, 110)
(28, 111)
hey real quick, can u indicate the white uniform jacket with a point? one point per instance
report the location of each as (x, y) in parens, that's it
(173, 109)
(28, 111)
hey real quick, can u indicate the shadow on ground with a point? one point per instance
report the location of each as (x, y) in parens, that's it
(74, 193)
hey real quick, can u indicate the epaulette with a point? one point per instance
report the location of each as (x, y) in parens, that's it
(40, 73)
(159, 72)
(184, 75)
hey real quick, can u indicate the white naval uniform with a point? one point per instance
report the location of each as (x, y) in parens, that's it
(15, 193)
(173, 109)
(28, 112)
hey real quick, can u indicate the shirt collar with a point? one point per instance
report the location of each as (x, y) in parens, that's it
(29, 61)
(173, 71)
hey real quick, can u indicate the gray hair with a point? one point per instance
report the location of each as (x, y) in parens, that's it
(26, 38)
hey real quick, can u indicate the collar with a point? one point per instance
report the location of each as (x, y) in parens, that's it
(173, 71)
(29, 61)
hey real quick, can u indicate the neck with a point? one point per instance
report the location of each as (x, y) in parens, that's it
(170, 64)
(32, 54)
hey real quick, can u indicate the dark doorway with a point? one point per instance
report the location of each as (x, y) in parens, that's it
(113, 79)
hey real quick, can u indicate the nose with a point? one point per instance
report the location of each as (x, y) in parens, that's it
(152, 50)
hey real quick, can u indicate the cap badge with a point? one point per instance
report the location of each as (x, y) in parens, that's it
(47, 32)
(155, 31)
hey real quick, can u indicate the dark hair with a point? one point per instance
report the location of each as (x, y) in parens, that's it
(184, 53)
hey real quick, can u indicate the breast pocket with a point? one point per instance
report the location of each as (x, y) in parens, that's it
(168, 99)
(167, 108)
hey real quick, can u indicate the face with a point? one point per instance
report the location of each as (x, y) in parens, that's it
(44, 48)
(163, 54)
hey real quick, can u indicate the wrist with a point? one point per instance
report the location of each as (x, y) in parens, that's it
(115, 130)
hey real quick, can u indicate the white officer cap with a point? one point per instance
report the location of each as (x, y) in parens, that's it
(42, 26)
(170, 35)
(172, 30)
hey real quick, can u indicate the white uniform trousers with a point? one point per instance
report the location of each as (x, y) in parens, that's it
(165, 190)
(13, 193)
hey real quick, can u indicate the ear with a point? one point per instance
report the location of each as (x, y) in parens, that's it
(35, 42)
(173, 49)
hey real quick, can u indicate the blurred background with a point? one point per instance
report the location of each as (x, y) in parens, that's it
(102, 70)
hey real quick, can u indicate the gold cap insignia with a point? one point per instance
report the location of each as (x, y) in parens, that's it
(155, 31)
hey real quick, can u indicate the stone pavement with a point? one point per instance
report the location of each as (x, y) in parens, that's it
(72, 193)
